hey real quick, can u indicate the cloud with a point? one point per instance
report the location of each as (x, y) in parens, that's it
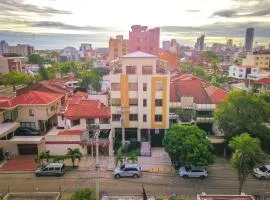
(16, 6)
(245, 8)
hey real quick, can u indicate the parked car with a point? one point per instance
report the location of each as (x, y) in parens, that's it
(262, 172)
(192, 171)
(26, 132)
(52, 169)
(128, 170)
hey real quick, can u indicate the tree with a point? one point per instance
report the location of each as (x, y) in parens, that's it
(44, 74)
(74, 154)
(82, 194)
(119, 158)
(247, 153)
(35, 59)
(199, 71)
(91, 78)
(16, 78)
(133, 157)
(243, 112)
(188, 145)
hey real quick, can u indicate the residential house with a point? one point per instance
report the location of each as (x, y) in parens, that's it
(242, 72)
(12, 64)
(260, 59)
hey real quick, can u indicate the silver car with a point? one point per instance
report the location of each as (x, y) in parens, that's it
(52, 169)
(192, 171)
(127, 170)
(262, 172)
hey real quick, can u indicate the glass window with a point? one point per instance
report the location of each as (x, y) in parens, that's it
(116, 117)
(158, 102)
(144, 87)
(158, 118)
(90, 121)
(144, 102)
(133, 102)
(104, 121)
(28, 125)
(116, 102)
(131, 69)
(133, 117)
(53, 108)
(75, 122)
(115, 86)
(144, 118)
(31, 112)
(133, 86)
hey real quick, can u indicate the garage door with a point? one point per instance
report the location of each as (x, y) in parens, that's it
(27, 149)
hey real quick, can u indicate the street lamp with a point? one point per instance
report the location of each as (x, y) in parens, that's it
(96, 129)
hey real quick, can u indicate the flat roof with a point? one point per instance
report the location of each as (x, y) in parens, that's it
(8, 127)
(26, 139)
(32, 196)
(224, 197)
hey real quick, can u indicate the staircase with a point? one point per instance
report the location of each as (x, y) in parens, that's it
(145, 149)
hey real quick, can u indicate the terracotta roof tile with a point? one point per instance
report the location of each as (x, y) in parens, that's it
(264, 81)
(71, 132)
(216, 95)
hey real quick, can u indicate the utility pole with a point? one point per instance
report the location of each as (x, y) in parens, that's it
(97, 164)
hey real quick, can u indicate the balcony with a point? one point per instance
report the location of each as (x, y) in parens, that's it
(204, 119)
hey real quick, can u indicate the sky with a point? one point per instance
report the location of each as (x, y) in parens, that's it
(95, 21)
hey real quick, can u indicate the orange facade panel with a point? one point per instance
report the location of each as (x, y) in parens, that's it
(124, 99)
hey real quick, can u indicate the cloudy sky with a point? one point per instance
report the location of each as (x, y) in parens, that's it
(184, 20)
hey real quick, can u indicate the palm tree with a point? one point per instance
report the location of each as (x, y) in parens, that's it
(119, 158)
(74, 154)
(133, 157)
(42, 156)
(247, 153)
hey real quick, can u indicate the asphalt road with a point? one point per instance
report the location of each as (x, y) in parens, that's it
(221, 180)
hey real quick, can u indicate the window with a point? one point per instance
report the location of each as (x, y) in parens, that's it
(144, 87)
(158, 102)
(75, 122)
(116, 102)
(144, 118)
(159, 86)
(53, 108)
(144, 102)
(104, 121)
(160, 70)
(133, 102)
(131, 69)
(115, 86)
(90, 121)
(147, 69)
(133, 117)
(28, 125)
(158, 118)
(116, 117)
(31, 112)
(133, 86)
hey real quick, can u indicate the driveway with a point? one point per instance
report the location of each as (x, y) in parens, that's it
(20, 163)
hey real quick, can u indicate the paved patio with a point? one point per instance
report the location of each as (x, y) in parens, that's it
(19, 163)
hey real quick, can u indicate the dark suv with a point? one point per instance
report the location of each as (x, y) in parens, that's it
(26, 132)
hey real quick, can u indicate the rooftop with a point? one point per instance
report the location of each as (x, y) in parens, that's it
(139, 54)
(31, 98)
(71, 132)
(225, 197)
(216, 94)
(264, 81)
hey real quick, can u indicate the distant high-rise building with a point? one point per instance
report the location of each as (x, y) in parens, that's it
(3, 47)
(86, 47)
(21, 49)
(249, 39)
(199, 46)
(143, 39)
(117, 47)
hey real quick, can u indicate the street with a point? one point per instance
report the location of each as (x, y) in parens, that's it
(221, 180)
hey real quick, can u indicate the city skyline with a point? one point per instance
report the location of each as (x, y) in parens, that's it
(101, 20)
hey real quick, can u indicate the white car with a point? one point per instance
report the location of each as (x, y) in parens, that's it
(127, 170)
(262, 172)
(192, 171)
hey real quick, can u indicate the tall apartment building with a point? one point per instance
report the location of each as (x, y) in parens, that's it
(21, 49)
(117, 47)
(143, 39)
(3, 47)
(199, 45)
(249, 39)
(260, 59)
(140, 98)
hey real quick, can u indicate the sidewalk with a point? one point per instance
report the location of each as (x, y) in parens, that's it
(89, 163)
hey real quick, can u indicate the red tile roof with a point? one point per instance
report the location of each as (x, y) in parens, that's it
(264, 81)
(4, 98)
(188, 88)
(87, 109)
(71, 132)
(216, 95)
(32, 98)
(81, 94)
(170, 58)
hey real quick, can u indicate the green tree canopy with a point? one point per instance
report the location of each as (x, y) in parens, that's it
(82, 194)
(209, 54)
(47, 73)
(16, 78)
(35, 59)
(91, 78)
(247, 153)
(74, 154)
(243, 112)
(188, 145)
